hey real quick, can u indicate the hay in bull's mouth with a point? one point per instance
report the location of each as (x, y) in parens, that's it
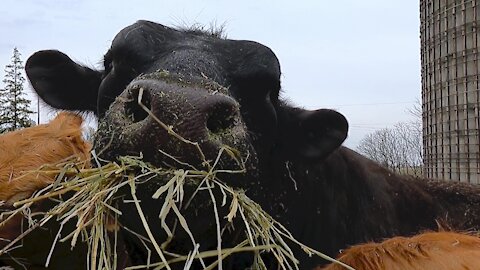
(93, 198)
(92, 202)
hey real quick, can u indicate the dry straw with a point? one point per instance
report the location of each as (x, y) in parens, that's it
(89, 197)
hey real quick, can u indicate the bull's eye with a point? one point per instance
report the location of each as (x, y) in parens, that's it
(108, 62)
(109, 66)
(136, 109)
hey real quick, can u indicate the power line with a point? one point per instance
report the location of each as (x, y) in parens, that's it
(374, 104)
(365, 127)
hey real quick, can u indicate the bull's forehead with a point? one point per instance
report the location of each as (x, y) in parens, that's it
(148, 47)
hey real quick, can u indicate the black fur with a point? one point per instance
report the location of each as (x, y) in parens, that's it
(327, 195)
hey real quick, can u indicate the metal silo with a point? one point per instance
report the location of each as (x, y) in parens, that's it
(449, 32)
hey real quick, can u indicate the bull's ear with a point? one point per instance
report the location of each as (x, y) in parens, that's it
(312, 134)
(61, 82)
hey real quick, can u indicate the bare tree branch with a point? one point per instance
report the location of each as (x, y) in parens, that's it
(398, 148)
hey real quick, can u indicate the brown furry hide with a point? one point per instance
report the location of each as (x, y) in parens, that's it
(24, 151)
(427, 251)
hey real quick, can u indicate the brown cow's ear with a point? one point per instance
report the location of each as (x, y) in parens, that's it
(62, 83)
(313, 134)
(65, 119)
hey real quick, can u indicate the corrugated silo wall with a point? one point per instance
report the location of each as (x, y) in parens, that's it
(449, 32)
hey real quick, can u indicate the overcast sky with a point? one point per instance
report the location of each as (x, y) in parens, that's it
(358, 57)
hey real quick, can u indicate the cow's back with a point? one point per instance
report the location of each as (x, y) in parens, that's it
(427, 251)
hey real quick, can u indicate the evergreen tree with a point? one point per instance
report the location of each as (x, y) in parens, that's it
(14, 106)
(4, 115)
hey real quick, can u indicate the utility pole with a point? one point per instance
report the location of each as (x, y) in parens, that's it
(38, 110)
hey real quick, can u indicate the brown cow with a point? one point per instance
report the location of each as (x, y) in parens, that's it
(427, 251)
(26, 150)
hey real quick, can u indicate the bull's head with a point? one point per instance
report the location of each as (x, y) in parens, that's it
(182, 96)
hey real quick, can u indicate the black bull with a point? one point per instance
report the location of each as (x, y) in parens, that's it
(218, 92)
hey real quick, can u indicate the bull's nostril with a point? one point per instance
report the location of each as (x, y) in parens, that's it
(221, 118)
(135, 111)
